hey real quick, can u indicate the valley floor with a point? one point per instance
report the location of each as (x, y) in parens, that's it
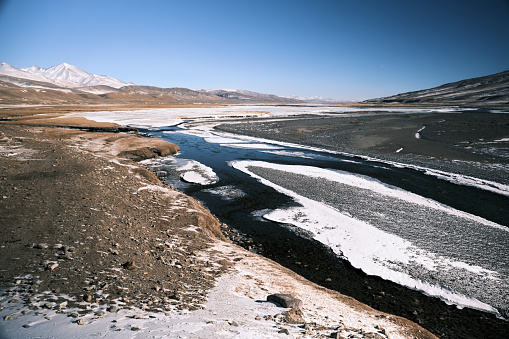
(93, 244)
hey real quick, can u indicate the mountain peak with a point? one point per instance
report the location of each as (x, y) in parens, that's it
(63, 74)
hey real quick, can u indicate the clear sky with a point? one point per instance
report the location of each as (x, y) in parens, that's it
(342, 49)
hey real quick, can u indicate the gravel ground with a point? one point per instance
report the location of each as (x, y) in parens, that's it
(455, 142)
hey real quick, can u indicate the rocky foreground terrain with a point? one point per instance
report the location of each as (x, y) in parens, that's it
(87, 233)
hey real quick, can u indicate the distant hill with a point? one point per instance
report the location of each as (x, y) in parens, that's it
(68, 84)
(490, 90)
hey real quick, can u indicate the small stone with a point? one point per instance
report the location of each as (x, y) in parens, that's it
(100, 313)
(80, 322)
(129, 265)
(27, 326)
(284, 331)
(258, 317)
(233, 323)
(13, 301)
(41, 246)
(285, 300)
(52, 266)
(87, 298)
(294, 316)
(133, 328)
(10, 316)
(112, 309)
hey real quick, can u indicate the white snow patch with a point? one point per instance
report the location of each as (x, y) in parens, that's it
(252, 146)
(363, 245)
(418, 134)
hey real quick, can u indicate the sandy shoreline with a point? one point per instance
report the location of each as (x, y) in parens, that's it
(81, 222)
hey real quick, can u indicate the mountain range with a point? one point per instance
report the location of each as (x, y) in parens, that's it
(68, 84)
(490, 90)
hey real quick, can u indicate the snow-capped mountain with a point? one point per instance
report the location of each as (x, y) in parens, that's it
(12, 71)
(68, 84)
(64, 75)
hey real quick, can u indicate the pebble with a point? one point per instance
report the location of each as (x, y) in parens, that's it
(284, 331)
(10, 316)
(80, 322)
(129, 265)
(112, 309)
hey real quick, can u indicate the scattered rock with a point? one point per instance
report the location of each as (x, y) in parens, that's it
(40, 246)
(80, 322)
(129, 265)
(294, 316)
(285, 300)
(112, 309)
(284, 331)
(51, 266)
(10, 316)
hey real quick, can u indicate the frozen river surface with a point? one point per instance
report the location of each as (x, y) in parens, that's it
(353, 205)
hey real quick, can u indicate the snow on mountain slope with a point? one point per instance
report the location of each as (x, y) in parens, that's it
(12, 71)
(72, 76)
(64, 75)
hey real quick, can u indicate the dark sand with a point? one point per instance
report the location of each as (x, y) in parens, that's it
(456, 142)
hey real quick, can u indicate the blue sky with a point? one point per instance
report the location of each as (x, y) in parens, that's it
(343, 49)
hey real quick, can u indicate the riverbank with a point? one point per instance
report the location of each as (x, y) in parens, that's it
(94, 243)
